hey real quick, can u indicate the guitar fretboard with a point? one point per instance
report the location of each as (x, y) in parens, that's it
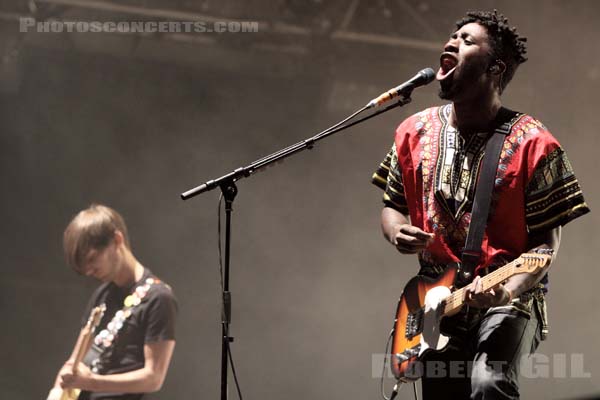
(457, 298)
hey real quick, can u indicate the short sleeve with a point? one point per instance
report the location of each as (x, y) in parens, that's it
(553, 196)
(388, 177)
(161, 315)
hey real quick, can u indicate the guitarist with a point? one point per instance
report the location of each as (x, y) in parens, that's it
(133, 344)
(429, 180)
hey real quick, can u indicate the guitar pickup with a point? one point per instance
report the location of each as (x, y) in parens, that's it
(414, 324)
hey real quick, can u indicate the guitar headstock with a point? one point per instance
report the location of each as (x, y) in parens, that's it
(534, 262)
(96, 316)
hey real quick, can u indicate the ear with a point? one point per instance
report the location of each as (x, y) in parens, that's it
(498, 67)
(119, 238)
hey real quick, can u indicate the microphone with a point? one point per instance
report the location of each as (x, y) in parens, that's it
(422, 78)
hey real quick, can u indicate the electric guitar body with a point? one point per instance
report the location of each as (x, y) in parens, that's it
(425, 301)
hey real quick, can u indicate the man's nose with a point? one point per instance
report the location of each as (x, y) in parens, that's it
(89, 271)
(451, 46)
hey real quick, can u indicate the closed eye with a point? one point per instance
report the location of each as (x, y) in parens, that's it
(467, 39)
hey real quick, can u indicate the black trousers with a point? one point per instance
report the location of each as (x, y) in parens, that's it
(483, 358)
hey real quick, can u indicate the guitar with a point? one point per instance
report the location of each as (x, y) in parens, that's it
(425, 301)
(82, 347)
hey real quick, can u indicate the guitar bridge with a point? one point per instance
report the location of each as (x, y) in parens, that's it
(414, 324)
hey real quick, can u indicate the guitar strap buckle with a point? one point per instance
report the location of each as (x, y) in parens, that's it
(463, 278)
(466, 268)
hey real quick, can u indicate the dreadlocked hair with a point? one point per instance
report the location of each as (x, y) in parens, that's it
(506, 43)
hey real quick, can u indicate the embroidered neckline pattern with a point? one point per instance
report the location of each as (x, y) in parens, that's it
(457, 166)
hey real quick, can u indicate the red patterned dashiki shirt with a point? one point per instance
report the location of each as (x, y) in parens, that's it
(430, 174)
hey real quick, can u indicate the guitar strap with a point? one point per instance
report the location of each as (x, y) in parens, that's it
(471, 254)
(106, 338)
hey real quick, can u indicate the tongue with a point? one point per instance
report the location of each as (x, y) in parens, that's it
(441, 74)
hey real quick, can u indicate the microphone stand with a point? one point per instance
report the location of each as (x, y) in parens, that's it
(229, 189)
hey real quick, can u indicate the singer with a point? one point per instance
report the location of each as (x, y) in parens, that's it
(429, 179)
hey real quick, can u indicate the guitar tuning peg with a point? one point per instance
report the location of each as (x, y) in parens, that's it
(545, 251)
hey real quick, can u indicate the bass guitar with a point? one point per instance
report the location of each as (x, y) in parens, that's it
(425, 301)
(82, 348)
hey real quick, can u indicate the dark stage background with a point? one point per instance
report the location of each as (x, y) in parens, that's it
(133, 120)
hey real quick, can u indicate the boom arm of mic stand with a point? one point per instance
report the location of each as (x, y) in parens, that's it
(309, 143)
(227, 185)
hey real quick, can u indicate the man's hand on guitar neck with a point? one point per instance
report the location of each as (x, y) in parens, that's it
(68, 378)
(501, 295)
(475, 296)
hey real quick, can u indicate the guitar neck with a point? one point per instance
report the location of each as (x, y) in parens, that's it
(457, 299)
(82, 346)
(85, 336)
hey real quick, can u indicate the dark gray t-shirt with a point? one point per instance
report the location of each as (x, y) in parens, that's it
(153, 320)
